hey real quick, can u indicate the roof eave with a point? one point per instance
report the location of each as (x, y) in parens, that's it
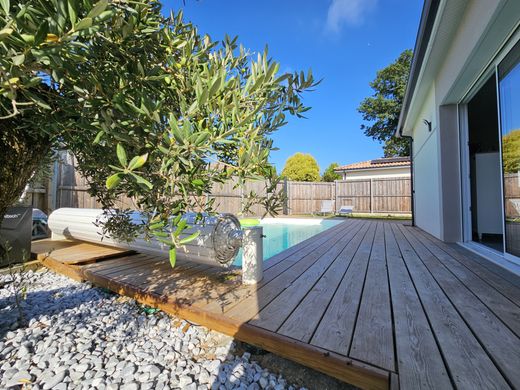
(371, 168)
(428, 16)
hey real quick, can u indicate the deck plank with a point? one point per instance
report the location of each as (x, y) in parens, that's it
(504, 308)
(76, 252)
(252, 301)
(274, 260)
(227, 302)
(502, 272)
(273, 315)
(188, 287)
(145, 262)
(469, 365)
(120, 263)
(253, 304)
(497, 339)
(335, 329)
(472, 261)
(303, 321)
(420, 364)
(373, 340)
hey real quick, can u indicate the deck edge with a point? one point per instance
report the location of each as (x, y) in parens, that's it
(345, 369)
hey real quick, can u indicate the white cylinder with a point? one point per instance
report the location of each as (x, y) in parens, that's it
(217, 243)
(252, 255)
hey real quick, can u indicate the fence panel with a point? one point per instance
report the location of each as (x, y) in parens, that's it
(392, 195)
(307, 197)
(512, 194)
(356, 193)
(72, 187)
(381, 195)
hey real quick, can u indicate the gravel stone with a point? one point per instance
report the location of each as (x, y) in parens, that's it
(263, 382)
(53, 380)
(81, 337)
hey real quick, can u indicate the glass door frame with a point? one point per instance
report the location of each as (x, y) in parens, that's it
(512, 44)
(490, 71)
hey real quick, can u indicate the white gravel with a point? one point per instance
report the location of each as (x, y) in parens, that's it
(80, 337)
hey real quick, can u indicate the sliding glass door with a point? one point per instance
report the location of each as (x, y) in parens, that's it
(509, 95)
(485, 171)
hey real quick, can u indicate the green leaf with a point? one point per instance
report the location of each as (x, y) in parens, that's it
(197, 182)
(41, 33)
(141, 180)
(18, 60)
(191, 237)
(73, 13)
(105, 15)
(113, 181)
(159, 233)
(28, 38)
(165, 242)
(98, 137)
(98, 9)
(5, 6)
(180, 227)
(214, 86)
(121, 155)
(83, 24)
(173, 256)
(157, 225)
(5, 32)
(177, 219)
(137, 162)
(38, 100)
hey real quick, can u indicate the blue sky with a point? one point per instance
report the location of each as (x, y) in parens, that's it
(344, 42)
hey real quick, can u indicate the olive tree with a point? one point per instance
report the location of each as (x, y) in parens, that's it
(149, 106)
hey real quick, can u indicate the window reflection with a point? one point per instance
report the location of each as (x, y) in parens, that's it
(509, 87)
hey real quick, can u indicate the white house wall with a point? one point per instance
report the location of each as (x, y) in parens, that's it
(374, 173)
(426, 168)
(468, 35)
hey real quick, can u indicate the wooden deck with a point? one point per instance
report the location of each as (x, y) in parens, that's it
(375, 304)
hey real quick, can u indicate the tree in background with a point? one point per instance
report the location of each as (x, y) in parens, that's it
(150, 108)
(511, 151)
(330, 174)
(301, 167)
(382, 109)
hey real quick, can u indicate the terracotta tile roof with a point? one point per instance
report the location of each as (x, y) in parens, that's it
(378, 163)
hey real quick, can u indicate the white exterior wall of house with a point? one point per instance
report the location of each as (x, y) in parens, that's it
(468, 35)
(427, 194)
(376, 173)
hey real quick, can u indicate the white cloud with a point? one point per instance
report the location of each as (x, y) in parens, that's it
(350, 12)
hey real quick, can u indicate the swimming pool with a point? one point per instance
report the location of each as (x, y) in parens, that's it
(282, 233)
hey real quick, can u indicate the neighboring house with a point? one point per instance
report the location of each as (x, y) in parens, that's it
(376, 169)
(462, 109)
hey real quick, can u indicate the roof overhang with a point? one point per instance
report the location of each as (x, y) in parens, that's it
(424, 35)
(440, 21)
(407, 166)
(446, 44)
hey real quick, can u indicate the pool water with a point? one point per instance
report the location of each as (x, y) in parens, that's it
(281, 234)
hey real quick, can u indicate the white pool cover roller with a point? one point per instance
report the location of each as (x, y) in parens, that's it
(218, 243)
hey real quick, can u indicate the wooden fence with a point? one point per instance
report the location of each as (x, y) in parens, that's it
(388, 196)
(512, 195)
